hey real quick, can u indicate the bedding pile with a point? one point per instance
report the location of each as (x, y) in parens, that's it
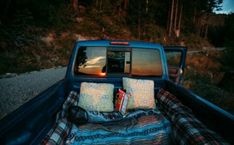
(84, 118)
(142, 126)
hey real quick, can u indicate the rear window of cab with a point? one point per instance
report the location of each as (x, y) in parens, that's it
(105, 61)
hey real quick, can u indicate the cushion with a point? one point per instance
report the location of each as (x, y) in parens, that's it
(142, 93)
(96, 97)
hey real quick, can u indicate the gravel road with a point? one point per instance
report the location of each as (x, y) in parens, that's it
(19, 89)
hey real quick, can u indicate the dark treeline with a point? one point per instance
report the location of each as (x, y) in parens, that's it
(175, 16)
(146, 19)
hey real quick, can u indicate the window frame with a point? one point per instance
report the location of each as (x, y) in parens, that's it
(124, 49)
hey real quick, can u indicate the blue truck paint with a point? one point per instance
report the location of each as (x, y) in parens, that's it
(30, 123)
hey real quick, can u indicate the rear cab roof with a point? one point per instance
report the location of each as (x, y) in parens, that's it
(107, 43)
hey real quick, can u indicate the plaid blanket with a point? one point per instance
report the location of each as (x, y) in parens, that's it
(138, 127)
(62, 127)
(185, 127)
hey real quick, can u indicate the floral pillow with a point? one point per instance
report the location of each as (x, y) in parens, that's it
(96, 97)
(142, 93)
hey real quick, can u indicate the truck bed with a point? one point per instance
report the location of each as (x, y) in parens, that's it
(31, 122)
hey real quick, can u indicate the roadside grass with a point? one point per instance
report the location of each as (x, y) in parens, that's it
(204, 75)
(195, 42)
(11, 64)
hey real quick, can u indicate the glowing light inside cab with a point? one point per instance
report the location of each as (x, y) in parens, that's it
(102, 74)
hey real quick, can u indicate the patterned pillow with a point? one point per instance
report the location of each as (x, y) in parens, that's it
(142, 93)
(96, 97)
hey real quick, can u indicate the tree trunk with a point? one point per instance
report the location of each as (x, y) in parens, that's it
(195, 12)
(97, 1)
(176, 13)
(147, 6)
(75, 5)
(139, 20)
(100, 5)
(5, 9)
(125, 4)
(171, 18)
(168, 20)
(206, 31)
(180, 18)
(139, 27)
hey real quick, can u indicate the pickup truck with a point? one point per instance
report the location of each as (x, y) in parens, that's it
(106, 61)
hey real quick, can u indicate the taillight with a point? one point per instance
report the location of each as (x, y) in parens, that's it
(119, 43)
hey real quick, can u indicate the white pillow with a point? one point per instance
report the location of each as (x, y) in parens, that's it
(142, 93)
(96, 97)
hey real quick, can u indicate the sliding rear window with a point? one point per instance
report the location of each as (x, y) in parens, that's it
(102, 61)
(146, 62)
(91, 61)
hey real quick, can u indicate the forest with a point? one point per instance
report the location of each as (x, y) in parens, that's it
(40, 34)
(168, 19)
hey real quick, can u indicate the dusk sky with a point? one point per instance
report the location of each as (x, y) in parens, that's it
(228, 7)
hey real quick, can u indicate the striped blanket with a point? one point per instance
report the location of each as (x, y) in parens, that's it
(138, 127)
